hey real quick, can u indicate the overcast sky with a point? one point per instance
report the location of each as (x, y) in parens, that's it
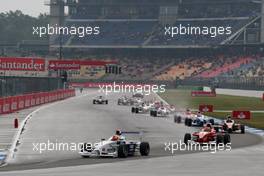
(30, 7)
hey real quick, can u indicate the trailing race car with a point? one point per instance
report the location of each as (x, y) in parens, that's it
(141, 108)
(198, 120)
(125, 101)
(186, 115)
(207, 135)
(230, 126)
(100, 100)
(138, 95)
(117, 147)
(159, 112)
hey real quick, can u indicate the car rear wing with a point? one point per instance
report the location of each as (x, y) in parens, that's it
(140, 133)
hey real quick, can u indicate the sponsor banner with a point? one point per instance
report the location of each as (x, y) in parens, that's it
(241, 114)
(15, 103)
(97, 85)
(75, 64)
(6, 105)
(27, 101)
(64, 65)
(22, 64)
(1, 105)
(21, 102)
(206, 108)
(203, 94)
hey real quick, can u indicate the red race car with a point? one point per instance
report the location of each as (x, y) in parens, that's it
(208, 134)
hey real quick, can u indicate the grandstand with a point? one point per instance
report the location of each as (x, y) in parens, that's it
(132, 24)
(132, 33)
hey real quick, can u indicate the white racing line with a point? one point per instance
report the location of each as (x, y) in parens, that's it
(16, 139)
(247, 128)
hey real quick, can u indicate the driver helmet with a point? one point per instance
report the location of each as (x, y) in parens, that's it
(118, 132)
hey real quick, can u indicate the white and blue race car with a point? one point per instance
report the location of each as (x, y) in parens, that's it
(115, 147)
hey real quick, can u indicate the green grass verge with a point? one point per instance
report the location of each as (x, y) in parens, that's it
(183, 99)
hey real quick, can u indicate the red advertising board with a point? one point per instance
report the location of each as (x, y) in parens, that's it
(206, 108)
(1, 105)
(37, 97)
(22, 64)
(14, 103)
(21, 102)
(241, 114)
(202, 94)
(64, 65)
(75, 64)
(6, 105)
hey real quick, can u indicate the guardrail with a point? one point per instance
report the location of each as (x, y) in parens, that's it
(16, 103)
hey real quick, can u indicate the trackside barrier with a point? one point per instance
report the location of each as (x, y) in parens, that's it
(16, 103)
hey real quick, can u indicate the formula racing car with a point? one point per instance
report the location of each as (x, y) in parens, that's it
(125, 101)
(207, 135)
(230, 126)
(198, 120)
(141, 108)
(100, 100)
(159, 112)
(116, 147)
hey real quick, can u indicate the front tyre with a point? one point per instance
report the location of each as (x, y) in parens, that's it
(122, 151)
(242, 128)
(187, 138)
(144, 148)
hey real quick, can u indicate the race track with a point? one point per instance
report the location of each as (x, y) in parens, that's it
(77, 120)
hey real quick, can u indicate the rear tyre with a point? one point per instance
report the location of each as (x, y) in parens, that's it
(94, 102)
(186, 121)
(122, 151)
(154, 113)
(136, 110)
(226, 139)
(189, 123)
(144, 148)
(242, 128)
(187, 138)
(219, 139)
(211, 121)
(106, 101)
(177, 119)
(133, 110)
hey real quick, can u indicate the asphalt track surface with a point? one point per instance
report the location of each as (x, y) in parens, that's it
(77, 120)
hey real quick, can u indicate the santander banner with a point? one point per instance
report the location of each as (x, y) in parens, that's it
(75, 64)
(64, 65)
(241, 114)
(22, 64)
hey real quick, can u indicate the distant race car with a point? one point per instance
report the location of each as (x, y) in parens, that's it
(115, 148)
(100, 100)
(141, 108)
(198, 120)
(230, 126)
(125, 101)
(179, 117)
(159, 112)
(138, 95)
(207, 135)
